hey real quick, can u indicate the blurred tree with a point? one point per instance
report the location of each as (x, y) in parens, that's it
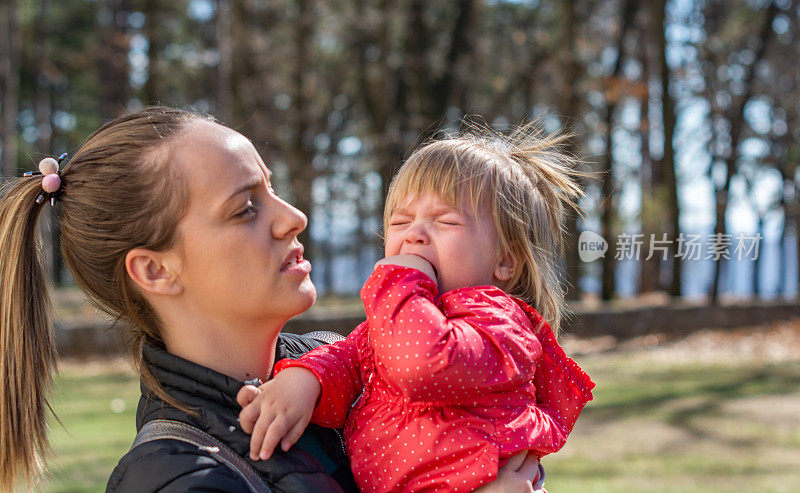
(10, 46)
(341, 90)
(289, 89)
(652, 220)
(779, 85)
(615, 90)
(43, 111)
(225, 43)
(667, 165)
(571, 69)
(112, 60)
(742, 86)
(153, 11)
(410, 68)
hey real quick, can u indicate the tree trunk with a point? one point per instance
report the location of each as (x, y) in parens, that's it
(11, 45)
(441, 92)
(112, 62)
(649, 275)
(152, 91)
(668, 161)
(797, 241)
(782, 274)
(788, 223)
(300, 152)
(570, 108)
(608, 215)
(42, 104)
(737, 123)
(757, 288)
(607, 190)
(225, 67)
(789, 213)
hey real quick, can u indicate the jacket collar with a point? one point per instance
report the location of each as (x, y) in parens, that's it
(196, 385)
(189, 382)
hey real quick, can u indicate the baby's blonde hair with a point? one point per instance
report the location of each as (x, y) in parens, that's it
(524, 180)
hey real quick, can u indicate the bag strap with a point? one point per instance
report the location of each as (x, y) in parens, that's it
(158, 429)
(325, 336)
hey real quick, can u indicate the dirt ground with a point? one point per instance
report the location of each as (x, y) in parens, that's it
(718, 410)
(775, 342)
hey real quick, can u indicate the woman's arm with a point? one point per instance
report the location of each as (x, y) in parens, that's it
(520, 474)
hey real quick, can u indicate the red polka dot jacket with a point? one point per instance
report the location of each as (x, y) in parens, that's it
(436, 393)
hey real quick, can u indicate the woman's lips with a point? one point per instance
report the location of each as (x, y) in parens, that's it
(297, 266)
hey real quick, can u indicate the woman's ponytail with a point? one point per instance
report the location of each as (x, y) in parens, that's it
(28, 357)
(117, 192)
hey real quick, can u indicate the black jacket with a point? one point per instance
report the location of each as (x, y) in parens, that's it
(173, 466)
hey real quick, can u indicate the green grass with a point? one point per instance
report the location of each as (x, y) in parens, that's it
(683, 427)
(97, 407)
(654, 426)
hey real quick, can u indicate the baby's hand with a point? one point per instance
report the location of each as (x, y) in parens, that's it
(408, 260)
(278, 411)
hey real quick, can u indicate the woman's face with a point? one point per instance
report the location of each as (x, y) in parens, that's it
(241, 262)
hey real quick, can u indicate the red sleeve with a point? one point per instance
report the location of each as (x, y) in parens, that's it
(549, 433)
(561, 385)
(338, 370)
(479, 341)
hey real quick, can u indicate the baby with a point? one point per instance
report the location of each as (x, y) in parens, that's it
(454, 371)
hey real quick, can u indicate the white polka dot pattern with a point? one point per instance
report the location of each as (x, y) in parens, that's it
(437, 393)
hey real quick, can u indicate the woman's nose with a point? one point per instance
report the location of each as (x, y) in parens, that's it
(288, 221)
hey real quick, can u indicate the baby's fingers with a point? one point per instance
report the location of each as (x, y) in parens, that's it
(266, 436)
(248, 417)
(246, 394)
(294, 435)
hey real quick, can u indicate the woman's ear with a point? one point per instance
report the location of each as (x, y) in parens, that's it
(506, 267)
(154, 272)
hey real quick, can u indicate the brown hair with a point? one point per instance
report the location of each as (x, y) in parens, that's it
(117, 193)
(523, 180)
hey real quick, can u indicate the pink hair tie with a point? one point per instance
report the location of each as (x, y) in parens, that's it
(51, 182)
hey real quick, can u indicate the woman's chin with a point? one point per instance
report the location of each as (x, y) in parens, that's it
(308, 293)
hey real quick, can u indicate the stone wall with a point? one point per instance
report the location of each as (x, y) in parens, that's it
(81, 336)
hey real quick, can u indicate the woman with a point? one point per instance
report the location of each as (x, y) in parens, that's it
(169, 223)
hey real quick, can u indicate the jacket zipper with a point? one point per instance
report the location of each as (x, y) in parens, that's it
(341, 441)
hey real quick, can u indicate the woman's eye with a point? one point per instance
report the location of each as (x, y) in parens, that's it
(249, 211)
(449, 223)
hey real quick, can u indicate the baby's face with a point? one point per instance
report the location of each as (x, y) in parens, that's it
(460, 245)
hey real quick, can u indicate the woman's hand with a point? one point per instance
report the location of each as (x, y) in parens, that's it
(409, 260)
(518, 475)
(278, 411)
